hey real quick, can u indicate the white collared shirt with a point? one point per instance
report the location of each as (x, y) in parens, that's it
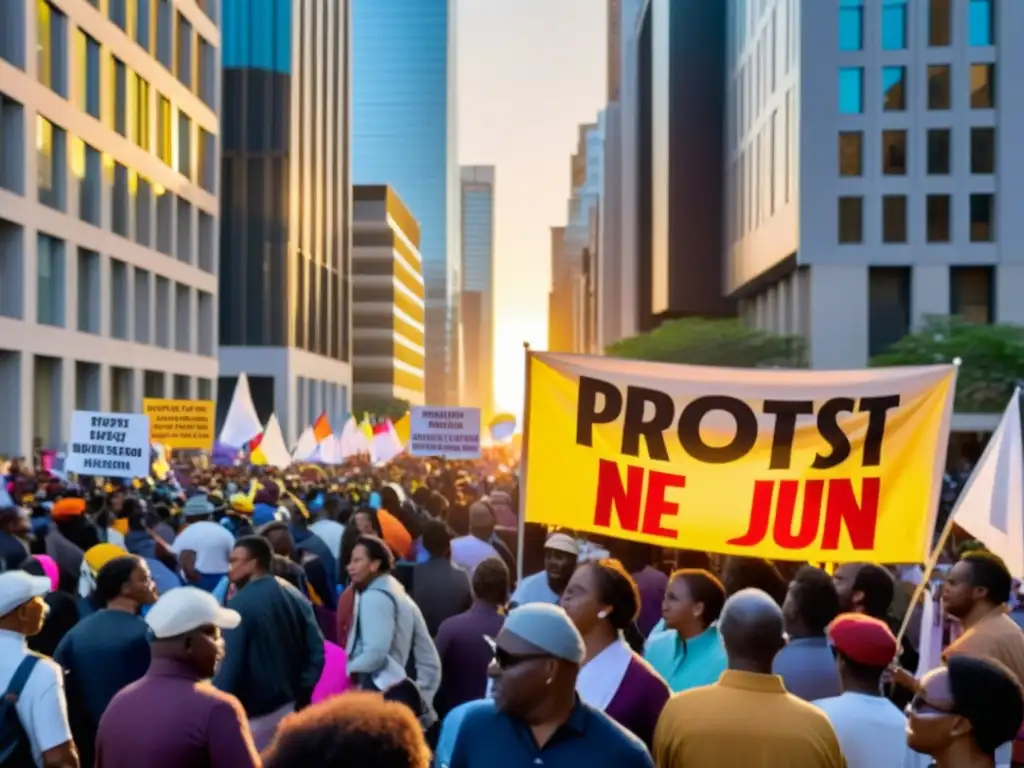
(42, 707)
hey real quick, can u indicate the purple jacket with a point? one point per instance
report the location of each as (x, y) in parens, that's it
(638, 702)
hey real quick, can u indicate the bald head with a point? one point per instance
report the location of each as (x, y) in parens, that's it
(481, 519)
(751, 629)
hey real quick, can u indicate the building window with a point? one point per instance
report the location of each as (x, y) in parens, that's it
(164, 33)
(51, 163)
(51, 47)
(184, 144)
(983, 86)
(87, 73)
(206, 70)
(894, 153)
(851, 90)
(894, 25)
(118, 309)
(938, 215)
(49, 280)
(983, 218)
(939, 88)
(894, 218)
(851, 25)
(851, 220)
(117, 12)
(851, 153)
(938, 151)
(183, 52)
(894, 92)
(120, 91)
(144, 24)
(140, 118)
(88, 280)
(983, 150)
(163, 130)
(119, 201)
(888, 307)
(981, 22)
(939, 23)
(87, 165)
(972, 294)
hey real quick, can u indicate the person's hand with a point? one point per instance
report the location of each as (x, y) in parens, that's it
(901, 677)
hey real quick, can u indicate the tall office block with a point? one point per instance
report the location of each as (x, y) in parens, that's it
(108, 210)
(388, 307)
(874, 168)
(404, 136)
(285, 277)
(478, 286)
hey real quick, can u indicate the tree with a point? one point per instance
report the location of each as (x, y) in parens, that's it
(382, 407)
(992, 358)
(728, 343)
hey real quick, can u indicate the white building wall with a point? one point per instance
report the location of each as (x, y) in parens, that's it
(128, 306)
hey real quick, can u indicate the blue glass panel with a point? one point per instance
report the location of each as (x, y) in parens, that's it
(257, 34)
(851, 29)
(851, 90)
(894, 25)
(980, 22)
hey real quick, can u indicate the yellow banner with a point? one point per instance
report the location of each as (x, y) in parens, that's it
(180, 424)
(834, 466)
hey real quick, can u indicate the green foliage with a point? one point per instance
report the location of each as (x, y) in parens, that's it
(728, 343)
(992, 358)
(379, 407)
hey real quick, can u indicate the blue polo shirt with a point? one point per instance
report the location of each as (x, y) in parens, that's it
(588, 738)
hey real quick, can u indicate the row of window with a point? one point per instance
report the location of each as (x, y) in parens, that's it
(938, 219)
(981, 93)
(939, 161)
(164, 33)
(772, 57)
(895, 24)
(971, 296)
(163, 310)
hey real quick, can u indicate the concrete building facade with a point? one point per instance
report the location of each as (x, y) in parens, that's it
(109, 166)
(872, 168)
(389, 309)
(285, 271)
(478, 206)
(404, 135)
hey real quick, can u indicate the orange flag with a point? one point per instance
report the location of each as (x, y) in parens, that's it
(321, 428)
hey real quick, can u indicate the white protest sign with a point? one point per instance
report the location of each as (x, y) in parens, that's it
(108, 444)
(453, 433)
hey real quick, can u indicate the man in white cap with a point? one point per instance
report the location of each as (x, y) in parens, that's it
(210, 727)
(35, 731)
(560, 555)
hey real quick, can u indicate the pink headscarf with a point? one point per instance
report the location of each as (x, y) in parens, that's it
(50, 569)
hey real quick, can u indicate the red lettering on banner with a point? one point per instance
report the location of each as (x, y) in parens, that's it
(625, 499)
(841, 510)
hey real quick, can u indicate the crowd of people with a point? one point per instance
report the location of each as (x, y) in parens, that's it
(362, 616)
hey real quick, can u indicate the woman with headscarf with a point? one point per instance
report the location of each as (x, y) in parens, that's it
(63, 613)
(603, 602)
(70, 536)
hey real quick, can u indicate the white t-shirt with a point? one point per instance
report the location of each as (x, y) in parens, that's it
(41, 707)
(872, 731)
(330, 531)
(212, 544)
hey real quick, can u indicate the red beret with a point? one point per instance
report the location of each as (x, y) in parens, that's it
(863, 639)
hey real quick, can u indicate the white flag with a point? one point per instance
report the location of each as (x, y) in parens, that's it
(242, 424)
(273, 447)
(991, 507)
(386, 443)
(305, 449)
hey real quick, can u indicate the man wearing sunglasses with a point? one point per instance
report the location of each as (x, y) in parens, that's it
(537, 718)
(209, 726)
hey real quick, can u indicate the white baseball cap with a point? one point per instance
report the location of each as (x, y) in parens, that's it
(18, 587)
(562, 542)
(184, 609)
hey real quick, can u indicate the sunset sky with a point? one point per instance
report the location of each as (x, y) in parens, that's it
(530, 71)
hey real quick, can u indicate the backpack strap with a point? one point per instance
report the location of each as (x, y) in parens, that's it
(17, 684)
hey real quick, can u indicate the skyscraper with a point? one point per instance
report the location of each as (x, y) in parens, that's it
(285, 272)
(108, 210)
(478, 286)
(404, 136)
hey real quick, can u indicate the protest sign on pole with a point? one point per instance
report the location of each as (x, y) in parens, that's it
(109, 444)
(834, 466)
(180, 424)
(453, 433)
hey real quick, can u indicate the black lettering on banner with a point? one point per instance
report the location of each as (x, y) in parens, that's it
(649, 414)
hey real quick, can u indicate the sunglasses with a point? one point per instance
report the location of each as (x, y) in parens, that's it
(506, 660)
(919, 705)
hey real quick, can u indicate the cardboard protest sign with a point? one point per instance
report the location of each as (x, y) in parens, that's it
(450, 432)
(791, 465)
(180, 424)
(108, 444)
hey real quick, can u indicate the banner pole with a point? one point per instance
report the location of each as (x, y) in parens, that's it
(523, 453)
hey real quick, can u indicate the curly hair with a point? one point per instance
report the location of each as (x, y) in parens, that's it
(351, 729)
